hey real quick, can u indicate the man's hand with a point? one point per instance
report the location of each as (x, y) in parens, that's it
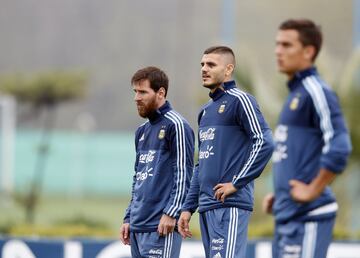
(302, 192)
(166, 225)
(268, 202)
(183, 224)
(223, 190)
(125, 233)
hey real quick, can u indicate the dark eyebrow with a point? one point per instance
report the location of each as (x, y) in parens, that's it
(208, 63)
(141, 91)
(282, 42)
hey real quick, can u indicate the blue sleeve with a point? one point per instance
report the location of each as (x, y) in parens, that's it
(259, 133)
(192, 198)
(182, 149)
(329, 118)
(128, 209)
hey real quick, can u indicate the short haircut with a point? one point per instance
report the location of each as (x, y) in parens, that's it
(157, 78)
(309, 33)
(220, 50)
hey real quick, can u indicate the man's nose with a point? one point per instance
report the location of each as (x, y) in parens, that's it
(277, 50)
(137, 97)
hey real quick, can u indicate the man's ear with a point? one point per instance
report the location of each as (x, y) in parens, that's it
(162, 92)
(309, 52)
(229, 69)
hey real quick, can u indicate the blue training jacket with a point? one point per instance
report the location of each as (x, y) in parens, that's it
(311, 134)
(163, 169)
(235, 144)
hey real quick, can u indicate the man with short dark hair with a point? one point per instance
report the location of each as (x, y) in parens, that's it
(163, 168)
(312, 147)
(234, 146)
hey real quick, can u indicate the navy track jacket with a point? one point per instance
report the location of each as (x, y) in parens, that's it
(235, 144)
(163, 169)
(311, 134)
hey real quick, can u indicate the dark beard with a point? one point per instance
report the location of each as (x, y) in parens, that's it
(148, 111)
(216, 84)
(211, 87)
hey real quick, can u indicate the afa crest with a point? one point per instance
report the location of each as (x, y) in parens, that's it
(161, 134)
(294, 103)
(221, 109)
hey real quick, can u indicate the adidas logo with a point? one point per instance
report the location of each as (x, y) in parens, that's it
(218, 255)
(142, 138)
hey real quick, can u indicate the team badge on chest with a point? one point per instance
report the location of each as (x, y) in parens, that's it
(161, 134)
(221, 109)
(295, 102)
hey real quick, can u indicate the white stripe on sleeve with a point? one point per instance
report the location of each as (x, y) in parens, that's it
(315, 89)
(254, 126)
(180, 161)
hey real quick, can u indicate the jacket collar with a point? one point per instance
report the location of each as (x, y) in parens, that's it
(300, 75)
(229, 85)
(220, 91)
(155, 116)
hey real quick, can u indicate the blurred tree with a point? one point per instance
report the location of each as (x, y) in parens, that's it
(348, 87)
(43, 92)
(244, 78)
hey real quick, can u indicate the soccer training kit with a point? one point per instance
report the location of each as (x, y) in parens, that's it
(235, 144)
(311, 134)
(151, 244)
(163, 168)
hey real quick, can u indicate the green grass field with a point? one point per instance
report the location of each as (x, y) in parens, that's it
(89, 216)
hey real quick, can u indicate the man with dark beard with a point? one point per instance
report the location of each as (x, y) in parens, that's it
(163, 169)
